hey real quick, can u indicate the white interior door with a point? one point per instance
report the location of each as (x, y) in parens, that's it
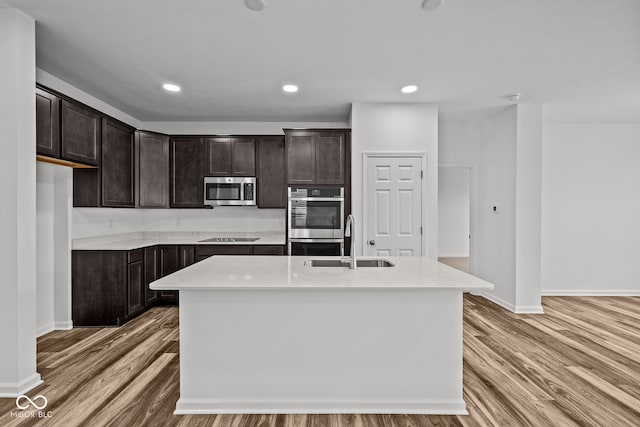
(394, 206)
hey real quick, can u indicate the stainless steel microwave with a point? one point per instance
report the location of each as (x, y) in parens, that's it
(229, 191)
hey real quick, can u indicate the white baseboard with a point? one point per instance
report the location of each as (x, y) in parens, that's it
(16, 389)
(44, 329)
(63, 326)
(229, 406)
(520, 309)
(589, 293)
(529, 309)
(502, 303)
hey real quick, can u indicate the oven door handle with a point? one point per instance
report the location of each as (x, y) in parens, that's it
(317, 199)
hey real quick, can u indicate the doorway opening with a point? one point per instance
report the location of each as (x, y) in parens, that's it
(456, 217)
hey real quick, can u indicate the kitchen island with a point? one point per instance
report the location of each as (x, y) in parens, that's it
(270, 335)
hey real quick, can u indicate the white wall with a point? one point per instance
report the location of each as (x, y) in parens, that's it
(397, 127)
(591, 208)
(45, 188)
(454, 209)
(489, 145)
(18, 209)
(497, 187)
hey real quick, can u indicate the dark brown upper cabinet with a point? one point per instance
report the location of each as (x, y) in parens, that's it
(47, 124)
(271, 181)
(315, 157)
(187, 187)
(80, 140)
(152, 170)
(229, 156)
(330, 154)
(117, 164)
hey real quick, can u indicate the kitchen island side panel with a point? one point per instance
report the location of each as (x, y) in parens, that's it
(321, 351)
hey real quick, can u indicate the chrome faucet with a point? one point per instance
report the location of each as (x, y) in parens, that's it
(350, 231)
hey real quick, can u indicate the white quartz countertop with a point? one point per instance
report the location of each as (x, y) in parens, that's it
(130, 241)
(283, 272)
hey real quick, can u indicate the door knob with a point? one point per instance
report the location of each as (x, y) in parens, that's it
(372, 242)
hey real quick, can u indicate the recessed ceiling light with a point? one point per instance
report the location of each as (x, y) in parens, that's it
(409, 89)
(171, 87)
(431, 4)
(290, 88)
(256, 5)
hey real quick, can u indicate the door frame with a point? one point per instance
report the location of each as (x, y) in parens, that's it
(473, 214)
(366, 155)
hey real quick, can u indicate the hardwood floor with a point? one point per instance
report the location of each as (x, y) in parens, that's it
(576, 365)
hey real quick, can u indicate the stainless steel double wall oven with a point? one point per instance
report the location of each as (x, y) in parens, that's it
(316, 220)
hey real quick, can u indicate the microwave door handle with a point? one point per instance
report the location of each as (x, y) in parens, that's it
(242, 185)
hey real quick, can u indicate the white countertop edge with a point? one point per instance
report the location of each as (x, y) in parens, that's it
(139, 240)
(389, 287)
(289, 273)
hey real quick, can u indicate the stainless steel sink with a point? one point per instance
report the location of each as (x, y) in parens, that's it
(320, 262)
(229, 239)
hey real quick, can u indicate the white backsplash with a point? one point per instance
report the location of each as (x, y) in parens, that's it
(87, 222)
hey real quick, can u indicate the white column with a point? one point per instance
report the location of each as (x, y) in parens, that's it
(18, 208)
(528, 208)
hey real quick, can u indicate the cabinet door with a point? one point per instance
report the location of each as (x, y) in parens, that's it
(98, 288)
(330, 151)
(47, 124)
(117, 164)
(301, 159)
(151, 273)
(135, 294)
(271, 183)
(152, 170)
(243, 157)
(80, 133)
(168, 264)
(187, 188)
(86, 188)
(168, 260)
(186, 255)
(217, 156)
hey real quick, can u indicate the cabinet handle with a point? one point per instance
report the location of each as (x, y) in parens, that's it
(372, 242)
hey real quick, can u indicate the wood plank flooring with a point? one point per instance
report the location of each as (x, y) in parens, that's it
(576, 365)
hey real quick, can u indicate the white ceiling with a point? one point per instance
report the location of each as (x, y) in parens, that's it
(581, 58)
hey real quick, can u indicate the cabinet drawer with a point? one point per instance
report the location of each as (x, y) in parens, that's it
(136, 255)
(268, 250)
(208, 250)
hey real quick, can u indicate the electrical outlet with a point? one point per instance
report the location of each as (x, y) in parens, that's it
(495, 209)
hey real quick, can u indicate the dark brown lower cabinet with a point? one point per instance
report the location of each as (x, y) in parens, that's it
(107, 287)
(110, 288)
(151, 273)
(135, 295)
(168, 264)
(268, 250)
